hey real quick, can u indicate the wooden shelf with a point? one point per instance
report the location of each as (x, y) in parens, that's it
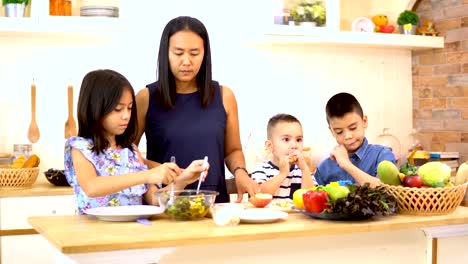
(296, 35)
(9, 24)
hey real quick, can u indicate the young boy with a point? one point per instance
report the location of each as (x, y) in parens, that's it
(354, 159)
(288, 170)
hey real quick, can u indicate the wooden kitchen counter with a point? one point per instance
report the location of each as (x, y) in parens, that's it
(82, 234)
(39, 189)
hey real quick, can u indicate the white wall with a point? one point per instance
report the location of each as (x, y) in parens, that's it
(266, 79)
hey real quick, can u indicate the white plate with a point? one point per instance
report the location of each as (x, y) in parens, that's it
(261, 215)
(124, 213)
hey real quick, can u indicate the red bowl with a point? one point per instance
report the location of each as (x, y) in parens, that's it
(387, 29)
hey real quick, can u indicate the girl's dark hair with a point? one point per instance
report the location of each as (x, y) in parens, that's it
(166, 90)
(100, 93)
(342, 103)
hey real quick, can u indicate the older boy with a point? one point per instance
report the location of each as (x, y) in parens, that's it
(288, 170)
(354, 159)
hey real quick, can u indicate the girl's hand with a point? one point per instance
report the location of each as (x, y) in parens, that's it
(192, 173)
(165, 173)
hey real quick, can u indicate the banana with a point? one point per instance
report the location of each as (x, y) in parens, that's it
(16, 165)
(32, 162)
(22, 162)
(18, 162)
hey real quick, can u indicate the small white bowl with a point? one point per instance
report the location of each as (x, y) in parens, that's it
(227, 214)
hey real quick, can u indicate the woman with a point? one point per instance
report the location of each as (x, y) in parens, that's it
(188, 115)
(102, 164)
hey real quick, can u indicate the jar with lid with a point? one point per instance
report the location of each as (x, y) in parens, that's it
(21, 150)
(390, 141)
(60, 7)
(414, 141)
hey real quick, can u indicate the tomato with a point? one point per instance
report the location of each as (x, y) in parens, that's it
(315, 201)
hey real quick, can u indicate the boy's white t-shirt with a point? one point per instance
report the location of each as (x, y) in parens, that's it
(266, 170)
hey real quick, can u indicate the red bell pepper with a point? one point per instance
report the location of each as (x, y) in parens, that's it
(315, 201)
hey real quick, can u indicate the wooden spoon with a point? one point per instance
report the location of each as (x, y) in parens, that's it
(33, 131)
(70, 125)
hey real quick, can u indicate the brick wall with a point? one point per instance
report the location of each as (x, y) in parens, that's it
(440, 79)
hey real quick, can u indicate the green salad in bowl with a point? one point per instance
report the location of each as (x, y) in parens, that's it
(186, 204)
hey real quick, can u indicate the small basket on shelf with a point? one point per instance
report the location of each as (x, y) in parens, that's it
(427, 201)
(18, 177)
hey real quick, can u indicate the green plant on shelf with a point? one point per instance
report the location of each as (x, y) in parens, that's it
(408, 17)
(5, 2)
(309, 11)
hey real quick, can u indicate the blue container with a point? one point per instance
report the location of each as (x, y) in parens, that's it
(343, 183)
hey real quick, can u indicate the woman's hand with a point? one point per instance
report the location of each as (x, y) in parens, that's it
(165, 173)
(192, 173)
(245, 184)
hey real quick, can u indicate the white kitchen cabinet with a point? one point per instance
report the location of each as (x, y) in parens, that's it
(14, 213)
(26, 249)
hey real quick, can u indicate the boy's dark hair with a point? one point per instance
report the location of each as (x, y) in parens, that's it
(100, 93)
(278, 118)
(342, 103)
(166, 90)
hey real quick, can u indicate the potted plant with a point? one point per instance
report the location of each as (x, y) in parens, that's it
(14, 8)
(307, 11)
(408, 21)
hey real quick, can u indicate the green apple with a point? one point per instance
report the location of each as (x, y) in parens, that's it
(338, 192)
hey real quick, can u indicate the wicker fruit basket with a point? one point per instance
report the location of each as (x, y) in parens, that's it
(427, 201)
(18, 178)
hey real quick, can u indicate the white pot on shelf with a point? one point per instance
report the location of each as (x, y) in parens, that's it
(408, 29)
(14, 10)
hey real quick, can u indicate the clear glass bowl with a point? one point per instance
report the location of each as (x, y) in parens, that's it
(186, 204)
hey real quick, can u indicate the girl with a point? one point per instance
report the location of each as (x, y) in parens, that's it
(102, 164)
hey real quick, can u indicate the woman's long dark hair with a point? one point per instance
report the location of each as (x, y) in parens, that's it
(100, 93)
(166, 90)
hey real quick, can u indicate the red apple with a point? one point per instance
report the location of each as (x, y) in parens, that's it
(412, 181)
(261, 199)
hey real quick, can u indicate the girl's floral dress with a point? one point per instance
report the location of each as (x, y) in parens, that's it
(111, 162)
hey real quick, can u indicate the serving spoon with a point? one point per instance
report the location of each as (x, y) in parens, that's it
(205, 163)
(171, 193)
(70, 125)
(33, 131)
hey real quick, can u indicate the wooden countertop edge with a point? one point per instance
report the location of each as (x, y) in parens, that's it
(42, 189)
(353, 227)
(17, 232)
